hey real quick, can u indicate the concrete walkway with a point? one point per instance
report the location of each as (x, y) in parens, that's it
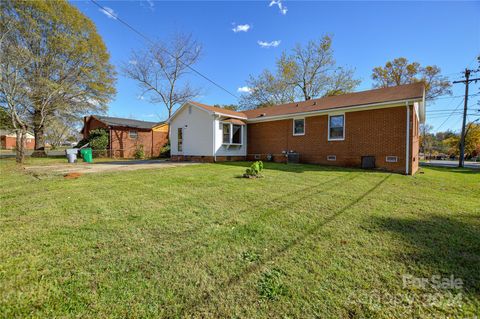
(106, 166)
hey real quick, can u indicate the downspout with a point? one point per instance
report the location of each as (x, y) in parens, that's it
(110, 141)
(407, 155)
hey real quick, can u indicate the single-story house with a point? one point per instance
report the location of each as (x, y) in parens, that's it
(8, 140)
(371, 129)
(127, 135)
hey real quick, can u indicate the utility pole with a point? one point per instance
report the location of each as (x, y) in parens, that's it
(464, 122)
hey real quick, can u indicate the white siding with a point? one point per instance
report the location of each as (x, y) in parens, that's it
(197, 127)
(223, 150)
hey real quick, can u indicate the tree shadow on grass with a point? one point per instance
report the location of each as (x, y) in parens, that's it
(444, 246)
(281, 251)
(299, 168)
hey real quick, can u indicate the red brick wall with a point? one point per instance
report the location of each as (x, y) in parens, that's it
(124, 146)
(378, 133)
(9, 142)
(121, 145)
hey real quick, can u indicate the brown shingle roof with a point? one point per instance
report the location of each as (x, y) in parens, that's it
(219, 109)
(390, 94)
(234, 121)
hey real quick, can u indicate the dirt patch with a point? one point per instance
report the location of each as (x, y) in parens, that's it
(111, 166)
(73, 175)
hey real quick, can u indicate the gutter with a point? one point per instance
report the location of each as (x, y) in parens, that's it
(407, 155)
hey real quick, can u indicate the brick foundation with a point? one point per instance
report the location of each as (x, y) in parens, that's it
(205, 159)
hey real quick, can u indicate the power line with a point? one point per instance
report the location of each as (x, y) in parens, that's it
(450, 114)
(171, 55)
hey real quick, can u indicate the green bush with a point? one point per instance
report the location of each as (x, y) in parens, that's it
(165, 150)
(98, 139)
(139, 152)
(254, 170)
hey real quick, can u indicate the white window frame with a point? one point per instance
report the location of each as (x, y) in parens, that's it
(231, 133)
(344, 122)
(130, 134)
(293, 126)
(391, 159)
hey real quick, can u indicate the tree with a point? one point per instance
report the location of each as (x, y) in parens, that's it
(232, 107)
(13, 88)
(472, 141)
(160, 70)
(69, 71)
(400, 71)
(307, 72)
(60, 129)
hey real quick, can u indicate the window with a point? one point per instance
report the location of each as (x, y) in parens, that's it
(133, 134)
(298, 126)
(391, 159)
(232, 133)
(236, 134)
(331, 157)
(336, 127)
(226, 133)
(180, 140)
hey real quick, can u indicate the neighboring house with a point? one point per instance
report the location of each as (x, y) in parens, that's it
(127, 135)
(8, 140)
(376, 128)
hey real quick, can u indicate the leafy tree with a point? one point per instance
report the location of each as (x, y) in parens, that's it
(61, 129)
(13, 87)
(306, 72)
(5, 120)
(472, 141)
(400, 71)
(69, 70)
(161, 68)
(232, 107)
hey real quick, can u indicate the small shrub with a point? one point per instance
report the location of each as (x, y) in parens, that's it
(270, 284)
(250, 256)
(165, 151)
(254, 170)
(139, 152)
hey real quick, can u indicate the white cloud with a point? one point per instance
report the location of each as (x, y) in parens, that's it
(109, 12)
(140, 97)
(151, 4)
(241, 28)
(271, 44)
(244, 89)
(283, 9)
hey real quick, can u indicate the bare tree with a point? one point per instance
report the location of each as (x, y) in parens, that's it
(307, 72)
(160, 70)
(13, 89)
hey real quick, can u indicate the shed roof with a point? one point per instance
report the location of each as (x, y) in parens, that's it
(117, 121)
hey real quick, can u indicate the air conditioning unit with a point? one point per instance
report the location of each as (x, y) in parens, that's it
(293, 158)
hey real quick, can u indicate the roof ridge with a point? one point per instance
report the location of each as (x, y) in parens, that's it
(335, 96)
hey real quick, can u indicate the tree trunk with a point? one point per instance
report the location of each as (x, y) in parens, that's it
(20, 145)
(39, 132)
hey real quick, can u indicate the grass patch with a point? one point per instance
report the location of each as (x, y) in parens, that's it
(195, 241)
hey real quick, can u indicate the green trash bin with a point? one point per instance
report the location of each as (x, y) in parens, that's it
(86, 155)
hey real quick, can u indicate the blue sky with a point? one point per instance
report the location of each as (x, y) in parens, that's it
(365, 35)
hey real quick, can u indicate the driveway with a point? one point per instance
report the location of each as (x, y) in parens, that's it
(440, 163)
(106, 166)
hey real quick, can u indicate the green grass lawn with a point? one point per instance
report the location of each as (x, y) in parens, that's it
(198, 241)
